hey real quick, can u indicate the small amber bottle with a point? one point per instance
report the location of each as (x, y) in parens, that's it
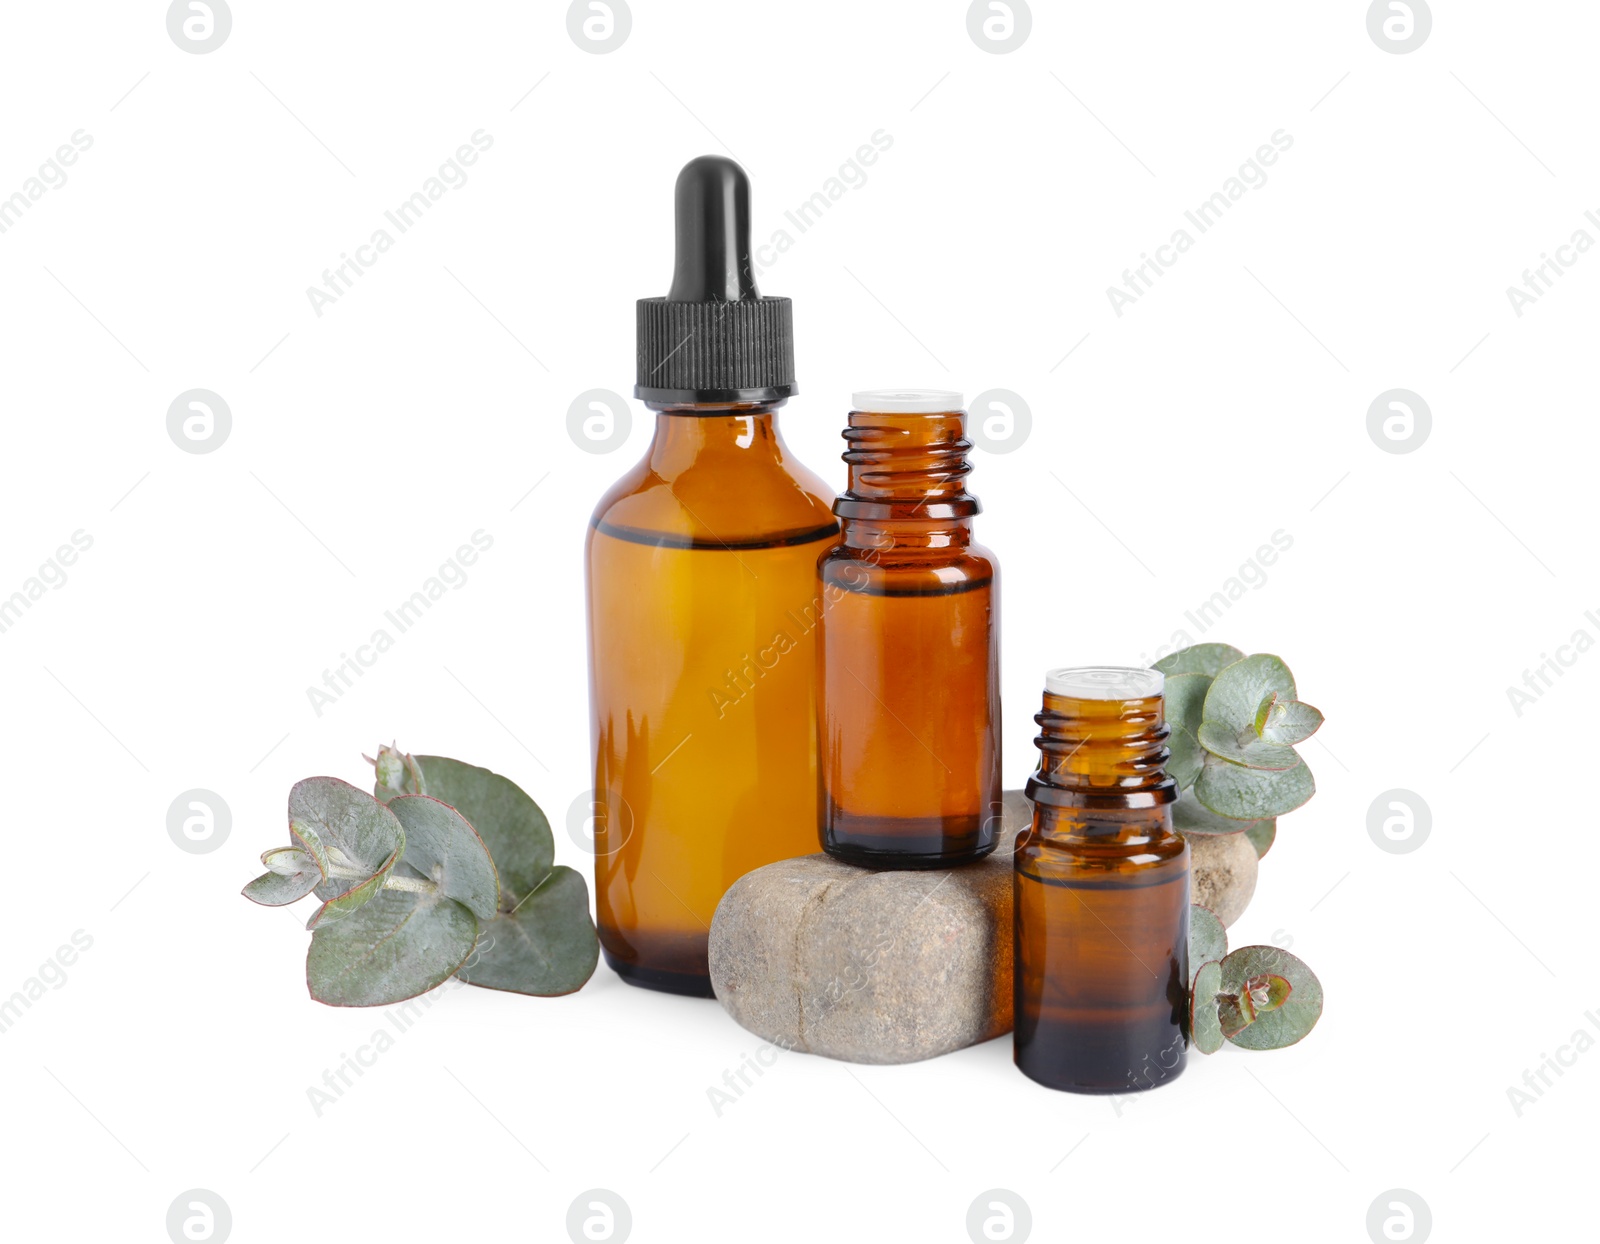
(1102, 892)
(908, 652)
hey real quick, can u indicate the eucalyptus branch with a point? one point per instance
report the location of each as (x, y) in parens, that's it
(479, 860)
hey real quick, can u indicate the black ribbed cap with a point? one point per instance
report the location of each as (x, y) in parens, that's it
(714, 338)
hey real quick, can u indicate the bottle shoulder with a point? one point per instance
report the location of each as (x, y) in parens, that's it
(720, 501)
(952, 564)
(1131, 858)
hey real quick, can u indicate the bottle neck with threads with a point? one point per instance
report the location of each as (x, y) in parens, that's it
(1102, 750)
(907, 460)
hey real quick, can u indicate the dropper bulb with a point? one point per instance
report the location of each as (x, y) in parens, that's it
(712, 206)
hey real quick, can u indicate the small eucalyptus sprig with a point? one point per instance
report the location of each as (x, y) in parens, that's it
(445, 870)
(1234, 721)
(1258, 997)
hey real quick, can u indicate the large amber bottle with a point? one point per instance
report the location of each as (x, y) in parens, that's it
(1101, 891)
(909, 659)
(701, 596)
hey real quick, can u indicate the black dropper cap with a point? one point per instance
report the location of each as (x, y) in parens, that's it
(714, 338)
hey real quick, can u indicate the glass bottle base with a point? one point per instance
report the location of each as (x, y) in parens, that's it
(1055, 1080)
(686, 984)
(899, 858)
(909, 841)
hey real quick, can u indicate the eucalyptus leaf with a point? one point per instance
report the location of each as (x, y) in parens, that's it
(1262, 834)
(1186, 757)
(509, 822)
(1238, 691)
(1247, 750)
(1267, 992)
(1190, 816)
(396, 773)
(1184, 696)
(1251, 794)
(1299, 1010)
(292, 873)
(443, 847)
(275, 889)
(351, 835)
(1209, 659)
(1208, 939)
(1289, 722)
(1264, 713)
(1205, 1028)
(287, 861)
(399, 945)
(542, 941)
(310, 842)
(546, 946)
(1234, 1013)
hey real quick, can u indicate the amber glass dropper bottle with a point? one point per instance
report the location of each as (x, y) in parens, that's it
(701, 600)
(1101, 891)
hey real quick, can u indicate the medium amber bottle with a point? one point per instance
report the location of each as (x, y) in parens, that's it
(909, 648)
(701, 564)
(1101, 892)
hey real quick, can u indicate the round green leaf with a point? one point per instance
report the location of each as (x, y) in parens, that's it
(510, 823)
(444, 848)
(1251, 794)
(1247, 749)
(1299, 1011)
(1190, 816)
(1208, 939)
(1205, 1030)
(546, 946)
(1262, 835)
(345, 830)
(1184, 696)
(287, 861)
(1239, 690)
(1289, 722)
(276, 889)
(1186, 757)
(1208, 659)
(1234, 1014)
(1267, 993)
(399, 945)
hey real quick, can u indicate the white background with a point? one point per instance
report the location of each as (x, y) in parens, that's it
(368, 443)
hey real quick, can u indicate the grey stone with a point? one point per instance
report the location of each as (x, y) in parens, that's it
(866, 965)
(1222, 873)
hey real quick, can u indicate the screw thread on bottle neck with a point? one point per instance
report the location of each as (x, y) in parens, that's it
(913, 458)
(1102, 752)
(907, 480)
